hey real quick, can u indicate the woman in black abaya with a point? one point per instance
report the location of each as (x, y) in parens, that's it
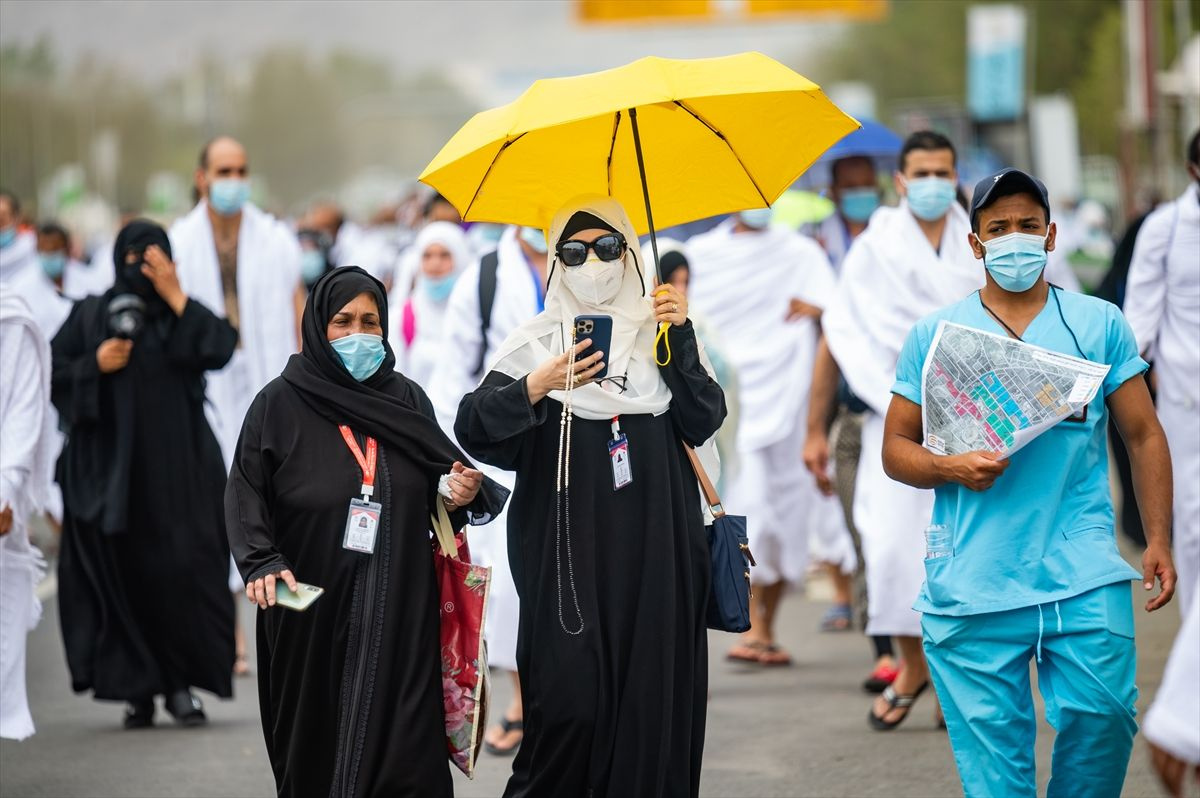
(142, 575)
(613, 570)
(349, 690)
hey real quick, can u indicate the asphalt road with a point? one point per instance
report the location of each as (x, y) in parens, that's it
(798, 731)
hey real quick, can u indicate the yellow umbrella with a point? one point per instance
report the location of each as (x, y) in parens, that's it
(704, 136)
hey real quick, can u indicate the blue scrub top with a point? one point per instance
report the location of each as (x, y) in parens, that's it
(1044, 531)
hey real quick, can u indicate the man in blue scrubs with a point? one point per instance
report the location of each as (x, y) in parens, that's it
(1024, 557)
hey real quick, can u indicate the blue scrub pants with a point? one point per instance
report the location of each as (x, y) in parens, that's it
(1086, 662)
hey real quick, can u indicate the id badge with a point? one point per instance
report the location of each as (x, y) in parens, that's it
(618, 453)
(362, 524)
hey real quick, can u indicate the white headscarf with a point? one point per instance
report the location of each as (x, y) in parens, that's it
(450, 236)
(631, 353)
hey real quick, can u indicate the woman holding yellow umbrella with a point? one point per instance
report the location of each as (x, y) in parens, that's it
(606, 537)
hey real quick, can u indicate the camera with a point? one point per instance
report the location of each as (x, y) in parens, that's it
(126, 316)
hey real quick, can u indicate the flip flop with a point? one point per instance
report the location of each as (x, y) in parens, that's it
(747, 652)
(507, 726)
(895, 701)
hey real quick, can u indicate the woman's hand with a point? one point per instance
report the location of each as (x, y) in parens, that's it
(262, 590)
(113, 354)
(161, 272)
(464, 485)
(670, 305)
(552, 374)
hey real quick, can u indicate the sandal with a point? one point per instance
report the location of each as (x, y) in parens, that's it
(838, 618)
(774, 657)
(895, 701)
(881, 679)
(507, 726)
(747, 652)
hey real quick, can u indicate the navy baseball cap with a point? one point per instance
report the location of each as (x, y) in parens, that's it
(1003, 183)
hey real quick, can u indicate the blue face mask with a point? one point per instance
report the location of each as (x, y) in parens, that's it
(756, 218)
(7, 236)
(53, 263)
(930, 197)
(438, 289)
(312, 265)
(1015, 261)
(857, 204)
(361, 354)
(228, 195)
(535, 239)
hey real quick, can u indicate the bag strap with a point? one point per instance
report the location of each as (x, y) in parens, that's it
(488, 267)
(706, 486)
(443, 530)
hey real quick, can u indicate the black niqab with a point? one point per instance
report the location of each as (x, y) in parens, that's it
(385, 405)
(137, 237)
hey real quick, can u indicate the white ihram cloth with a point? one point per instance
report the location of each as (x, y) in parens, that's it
(631, 352)
(26, 451)
(416, 359)
(891, 277)
(22, 274)
(268, 274)
(1162, 304)
(516, 302)
(1173, 722)
(743, 284)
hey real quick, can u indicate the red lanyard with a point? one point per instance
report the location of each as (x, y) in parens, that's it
(367, 464)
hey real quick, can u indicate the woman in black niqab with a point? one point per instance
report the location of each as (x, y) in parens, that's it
(143, 571)
(349, 690)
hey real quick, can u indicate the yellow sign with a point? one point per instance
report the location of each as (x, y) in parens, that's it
(686, 11)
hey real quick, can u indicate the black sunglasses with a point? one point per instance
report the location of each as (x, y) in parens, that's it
(607, 247)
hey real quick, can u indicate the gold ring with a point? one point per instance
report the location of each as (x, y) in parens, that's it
(675, 307)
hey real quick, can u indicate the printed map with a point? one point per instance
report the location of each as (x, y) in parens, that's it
(991, 392)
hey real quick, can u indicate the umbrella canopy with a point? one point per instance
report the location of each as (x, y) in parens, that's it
(689, 138)
(872, 140)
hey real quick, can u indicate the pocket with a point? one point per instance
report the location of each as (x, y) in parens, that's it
(1071, 534)
(1119, 601)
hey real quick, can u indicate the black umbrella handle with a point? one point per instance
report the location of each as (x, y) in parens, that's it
(637, 148)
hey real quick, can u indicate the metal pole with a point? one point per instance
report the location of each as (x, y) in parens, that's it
(637, 147)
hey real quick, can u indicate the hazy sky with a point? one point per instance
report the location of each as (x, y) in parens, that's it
(494, 48)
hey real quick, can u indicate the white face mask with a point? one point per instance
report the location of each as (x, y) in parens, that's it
(596, 282)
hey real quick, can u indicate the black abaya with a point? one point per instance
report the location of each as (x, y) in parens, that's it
(143, 572)
(619, 708)
(350, 690)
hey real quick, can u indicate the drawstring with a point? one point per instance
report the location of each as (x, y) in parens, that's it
(1041, 626)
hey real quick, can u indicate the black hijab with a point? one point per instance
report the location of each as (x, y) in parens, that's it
(137, 237)
(386, 405)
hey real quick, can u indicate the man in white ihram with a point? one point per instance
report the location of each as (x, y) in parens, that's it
(1162, 304)
(245, 265)
(763, 289)
(26, 447)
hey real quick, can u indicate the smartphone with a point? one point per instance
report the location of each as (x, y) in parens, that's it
(299, 601)
(599, 329)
